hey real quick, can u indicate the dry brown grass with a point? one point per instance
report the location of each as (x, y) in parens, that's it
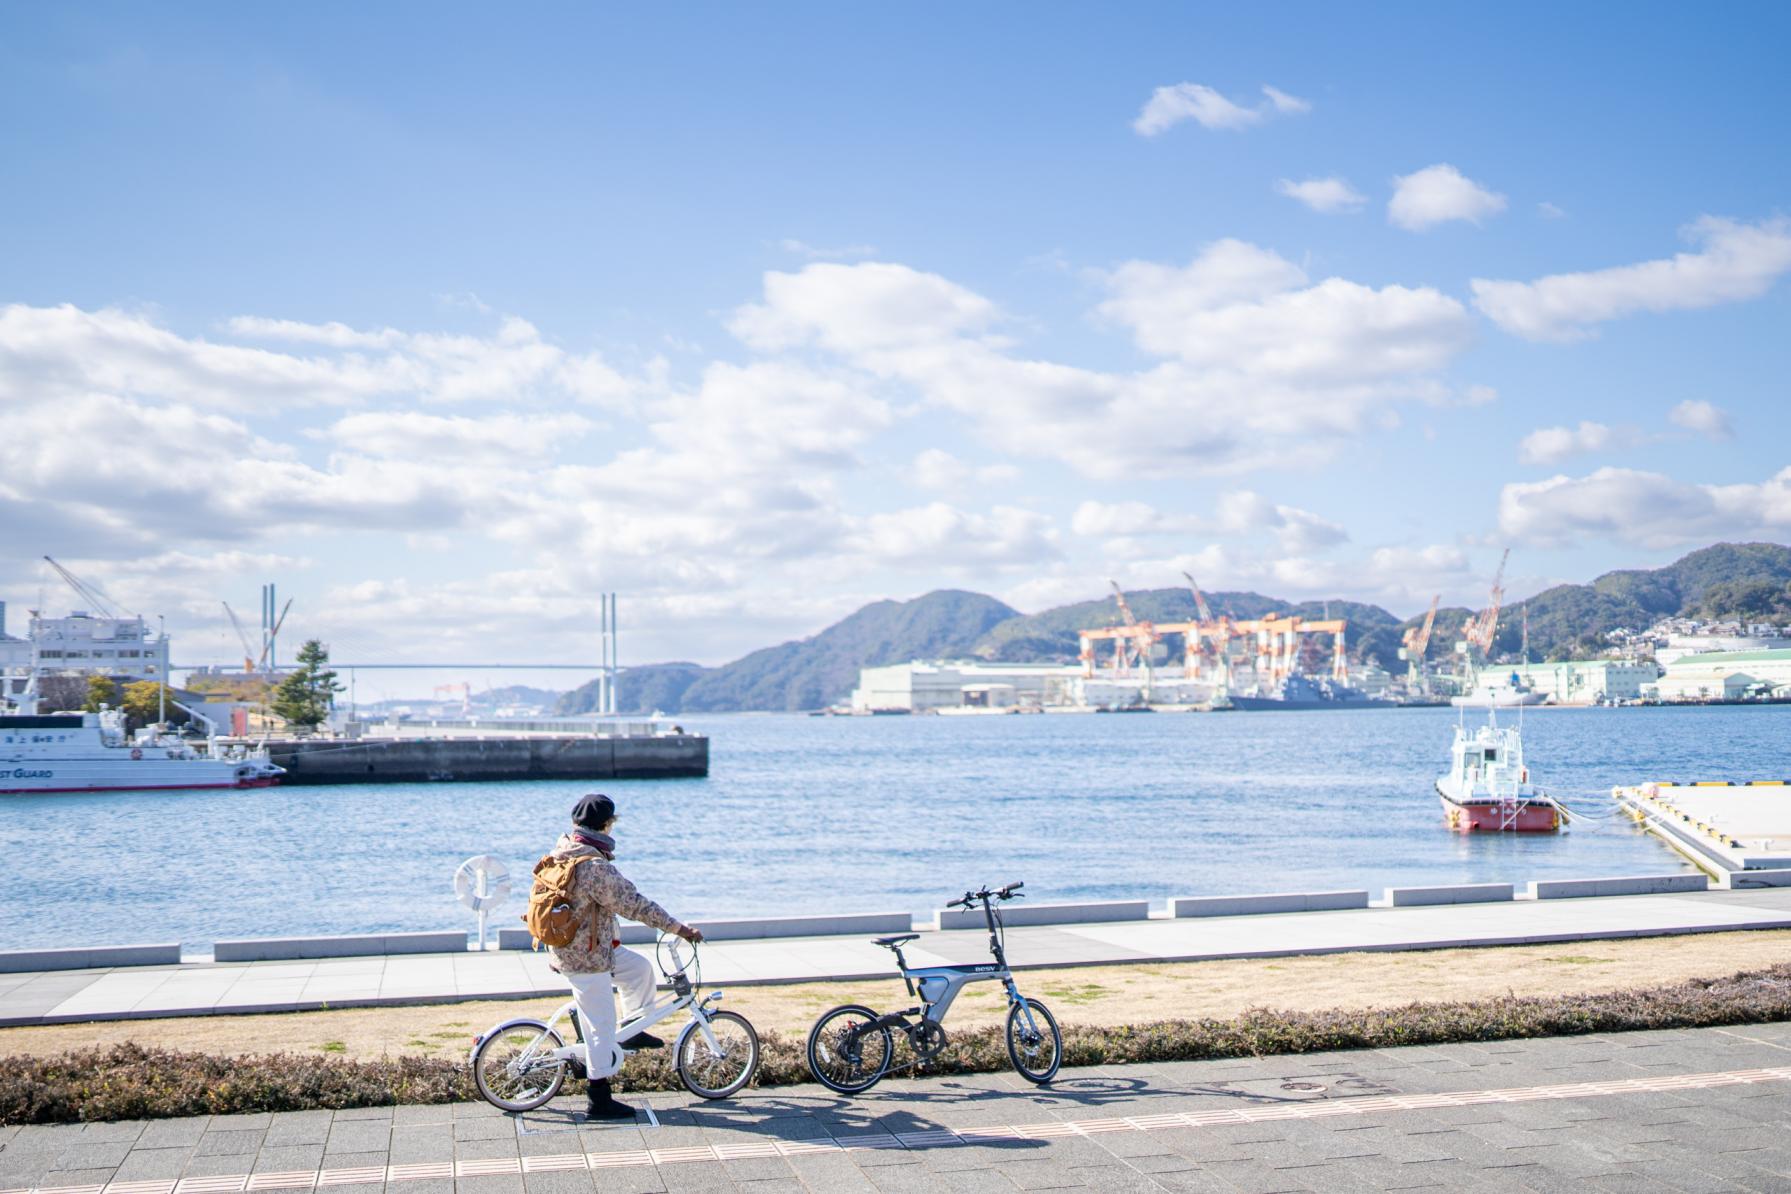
(1095, 996)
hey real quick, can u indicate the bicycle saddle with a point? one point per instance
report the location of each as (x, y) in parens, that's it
(892, 942)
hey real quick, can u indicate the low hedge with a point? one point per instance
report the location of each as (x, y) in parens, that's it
(135, 1082)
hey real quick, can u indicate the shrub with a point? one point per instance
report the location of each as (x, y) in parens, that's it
(135, 1082)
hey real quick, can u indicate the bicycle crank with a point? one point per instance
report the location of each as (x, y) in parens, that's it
(927, 1039)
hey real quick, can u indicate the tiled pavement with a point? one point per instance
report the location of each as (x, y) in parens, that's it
(196, 989)
(1697, 1110)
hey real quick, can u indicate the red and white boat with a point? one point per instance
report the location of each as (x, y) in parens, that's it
(90, 752)
(1488, 787)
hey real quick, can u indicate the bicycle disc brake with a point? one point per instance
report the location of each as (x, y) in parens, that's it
(927, 1039)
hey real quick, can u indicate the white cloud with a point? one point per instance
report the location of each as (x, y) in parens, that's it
(1547, 445)
(1735, 262)
(1703, 417)
(1437, 194)
(817, 253)
(1169, 106)
(935, 468)
(1549, 211)
(1649, 510)
(1323, 194)
(1238, 512)
(412, 434)
(941, 534)
(1271, 371)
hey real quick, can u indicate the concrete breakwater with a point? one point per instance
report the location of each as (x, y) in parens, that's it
(435, 760)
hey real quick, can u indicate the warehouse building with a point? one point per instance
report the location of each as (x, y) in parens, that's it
(923, 686)
(1727, 676)
(1577, 681)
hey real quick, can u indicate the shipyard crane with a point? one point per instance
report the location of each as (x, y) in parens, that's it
(1487, 626)
(1205, 614)
(1416, 640)
(88, 593)
(242, 636)
(273, 634)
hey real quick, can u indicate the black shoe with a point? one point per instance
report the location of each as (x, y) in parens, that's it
(643, 1040)
(575, 1068)
(601, 1104)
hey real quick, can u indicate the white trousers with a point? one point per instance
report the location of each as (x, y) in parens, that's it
(595, 996)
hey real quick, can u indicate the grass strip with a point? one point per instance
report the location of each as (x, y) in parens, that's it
(134, 1082)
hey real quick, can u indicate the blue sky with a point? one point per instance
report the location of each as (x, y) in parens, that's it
(447, 318)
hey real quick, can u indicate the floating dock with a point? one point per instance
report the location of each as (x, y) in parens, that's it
(1722, 827)
(375, 760)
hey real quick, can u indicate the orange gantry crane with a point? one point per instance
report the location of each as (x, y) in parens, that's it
(1484, 626)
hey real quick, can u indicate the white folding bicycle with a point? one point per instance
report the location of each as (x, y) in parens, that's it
(519, 1065)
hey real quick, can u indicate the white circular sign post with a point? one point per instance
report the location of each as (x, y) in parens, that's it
(481, 884)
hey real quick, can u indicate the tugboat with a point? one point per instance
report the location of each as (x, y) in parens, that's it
(1488, 787)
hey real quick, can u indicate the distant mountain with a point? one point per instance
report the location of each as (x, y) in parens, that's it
(812, 672)
(1751, 581)
(653, 686)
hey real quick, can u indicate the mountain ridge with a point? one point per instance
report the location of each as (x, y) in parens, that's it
(1748, 580)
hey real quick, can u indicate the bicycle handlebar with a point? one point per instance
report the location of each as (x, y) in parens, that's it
(971, 898)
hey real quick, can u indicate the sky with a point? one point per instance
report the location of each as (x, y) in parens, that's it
(447, 319)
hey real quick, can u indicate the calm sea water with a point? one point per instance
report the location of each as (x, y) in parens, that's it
(814, 815)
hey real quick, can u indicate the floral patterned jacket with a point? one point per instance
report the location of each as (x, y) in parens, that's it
(598, 896)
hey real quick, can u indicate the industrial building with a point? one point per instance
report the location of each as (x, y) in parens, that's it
(81, 644)
(1577, 681)
(926, 686)
(1726, 676)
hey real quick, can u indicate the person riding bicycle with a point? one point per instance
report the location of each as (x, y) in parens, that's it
(595, 962)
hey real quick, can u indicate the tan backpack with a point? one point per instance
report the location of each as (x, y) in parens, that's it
(549, 916)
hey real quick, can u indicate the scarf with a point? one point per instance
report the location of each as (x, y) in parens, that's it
(603, 843)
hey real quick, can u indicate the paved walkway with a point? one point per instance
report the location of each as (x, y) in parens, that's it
(1702, 1110)
(200, 988)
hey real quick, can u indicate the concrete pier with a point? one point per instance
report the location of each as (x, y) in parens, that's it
(435, 760)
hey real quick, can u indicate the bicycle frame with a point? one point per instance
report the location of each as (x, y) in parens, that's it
(937, 986)
(683, 997)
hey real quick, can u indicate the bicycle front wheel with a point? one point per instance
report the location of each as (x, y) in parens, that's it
(1034, 1044)
(514, 1067)
(844, 1054)
(717, 1072)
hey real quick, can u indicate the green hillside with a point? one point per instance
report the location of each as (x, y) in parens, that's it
(1751, 581)
(814, 672)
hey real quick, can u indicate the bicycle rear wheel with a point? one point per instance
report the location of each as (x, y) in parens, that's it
(514, 1066)
(1034, 1044)
(716, 1075)
(843, 1055)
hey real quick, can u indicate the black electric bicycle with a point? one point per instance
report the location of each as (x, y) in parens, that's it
(851, 1048)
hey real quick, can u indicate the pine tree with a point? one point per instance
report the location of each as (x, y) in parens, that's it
(306, 697)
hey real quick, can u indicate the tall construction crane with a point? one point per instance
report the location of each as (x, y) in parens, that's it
(1140, 638)
(88, 593)
(1205, 614)
(243, 637)
(1482, 628)
(1416, 640)
(273, 634)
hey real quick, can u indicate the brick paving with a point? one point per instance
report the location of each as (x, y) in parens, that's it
(1702, 1110)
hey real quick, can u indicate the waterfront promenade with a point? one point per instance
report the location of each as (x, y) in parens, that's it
(138, 992)
(1698, 1109)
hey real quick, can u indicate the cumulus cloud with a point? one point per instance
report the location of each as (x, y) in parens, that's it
(1703, 417)
(817, 253)
(1438, 194)
(404, 433)
(935, 468)
(1323, 194)
(1734, 262)
(939, 533)
(1548, 445)
(1645, 509)
(1170, 106)
(1238, 512)
(1265, 369)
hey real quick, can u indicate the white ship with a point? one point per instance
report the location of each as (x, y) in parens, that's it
(1499, 692)
(90, 752)
(1488, 784)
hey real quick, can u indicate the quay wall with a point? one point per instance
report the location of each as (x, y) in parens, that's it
(436, 760)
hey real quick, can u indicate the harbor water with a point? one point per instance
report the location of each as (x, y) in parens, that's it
(805, 816)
